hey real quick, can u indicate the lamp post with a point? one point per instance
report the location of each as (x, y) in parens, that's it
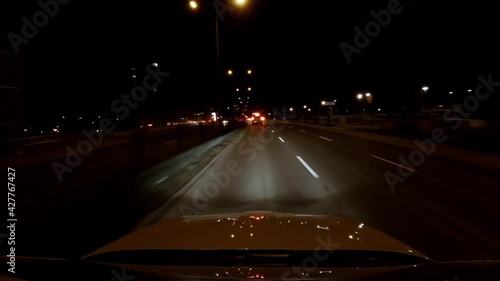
(242, 88)
(194, 6)
(330, 105)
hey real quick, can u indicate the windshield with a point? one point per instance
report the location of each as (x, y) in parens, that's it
(374, 124)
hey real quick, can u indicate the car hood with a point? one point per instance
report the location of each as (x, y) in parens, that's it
(258, 231)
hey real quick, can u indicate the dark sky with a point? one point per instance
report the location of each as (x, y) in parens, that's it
(79, 61)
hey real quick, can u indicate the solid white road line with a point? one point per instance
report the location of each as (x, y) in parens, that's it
(272, 131)
(281, 139)
(325, 138)
(171, 142)
(396, 164)
(302, 131)
(308, 168)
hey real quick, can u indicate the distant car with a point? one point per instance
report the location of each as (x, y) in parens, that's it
(258, 118)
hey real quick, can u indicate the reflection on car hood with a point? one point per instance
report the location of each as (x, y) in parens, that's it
(258, 231)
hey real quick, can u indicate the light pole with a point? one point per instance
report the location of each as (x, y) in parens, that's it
(238, 76)
(194, 5)
(218, 63)
(365, 99)
(330, 105)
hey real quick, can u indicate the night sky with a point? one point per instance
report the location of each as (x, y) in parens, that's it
(80, 61)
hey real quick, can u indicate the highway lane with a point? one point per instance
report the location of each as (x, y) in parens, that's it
(297, 169)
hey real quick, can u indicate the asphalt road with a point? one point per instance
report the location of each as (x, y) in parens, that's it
(445, 209)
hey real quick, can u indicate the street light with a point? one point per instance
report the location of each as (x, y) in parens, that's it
(249, 72)
(237, 89)
(249, 89)
(323, 102)
(368, 95)
(229, 72)
(291, 109)
(241, 2)
(305, 106)
(425, 88)
(359, 96)
(193, 5)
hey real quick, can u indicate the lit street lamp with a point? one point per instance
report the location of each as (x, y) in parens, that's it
(194, 5)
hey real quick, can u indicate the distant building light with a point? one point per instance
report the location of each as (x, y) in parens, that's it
(154, 64)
